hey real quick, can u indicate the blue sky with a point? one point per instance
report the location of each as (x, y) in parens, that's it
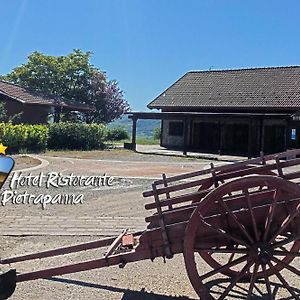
(6, 163)
(148, 44)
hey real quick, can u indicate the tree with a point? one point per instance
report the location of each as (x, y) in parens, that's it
(157, 133)
(73, 78)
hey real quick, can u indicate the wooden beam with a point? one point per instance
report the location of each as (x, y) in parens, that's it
(133, 135)
(220, 138)
(250, 138)
(185, 136)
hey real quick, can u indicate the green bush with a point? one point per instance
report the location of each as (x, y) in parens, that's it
(76, 136)
(157, 133)
(24, 138)
(117, 133)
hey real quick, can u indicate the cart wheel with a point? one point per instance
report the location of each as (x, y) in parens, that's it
(208, 256)
(209, 182)
(262, 237)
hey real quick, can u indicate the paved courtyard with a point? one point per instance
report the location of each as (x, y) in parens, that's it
(104, 210)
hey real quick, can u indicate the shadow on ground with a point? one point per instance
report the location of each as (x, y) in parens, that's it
(239, 292)
(127, 294)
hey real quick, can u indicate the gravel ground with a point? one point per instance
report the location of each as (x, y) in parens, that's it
(124, 155)
(24, 161)
(140, 280)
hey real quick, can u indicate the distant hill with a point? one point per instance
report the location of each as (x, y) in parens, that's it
(145, 128)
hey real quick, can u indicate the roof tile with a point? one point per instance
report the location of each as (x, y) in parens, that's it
(258, 88)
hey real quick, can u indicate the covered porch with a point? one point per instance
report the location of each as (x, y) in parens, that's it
(239, 134)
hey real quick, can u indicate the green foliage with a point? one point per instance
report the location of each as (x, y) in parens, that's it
(117, 133)
(72, 78)
(76, 136)
(157, 133)
(24, 138)
(146, 141)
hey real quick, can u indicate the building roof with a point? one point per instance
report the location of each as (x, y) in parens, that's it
(274, 88)
(27, 96)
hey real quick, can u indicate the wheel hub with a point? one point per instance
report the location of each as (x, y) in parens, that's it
(261, 253)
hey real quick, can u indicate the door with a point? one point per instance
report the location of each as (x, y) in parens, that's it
(274, 139)
(206, 137)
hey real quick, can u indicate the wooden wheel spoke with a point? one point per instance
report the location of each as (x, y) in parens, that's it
(236, 279)
(251, 214)
(282, 248)
(286, 253)
(286, 222)
(241, 247)
(271, 214)
(252, 281)
(286, 241)
(231, 251)
(233, 216)
(283, 281)
(289, 267)
(222, 268)
(222, 232)
(268, 285)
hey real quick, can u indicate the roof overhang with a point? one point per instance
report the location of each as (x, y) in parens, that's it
(185, 115)
(62, 104)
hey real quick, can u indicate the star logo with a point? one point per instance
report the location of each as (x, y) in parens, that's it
(6, 166)
(2, 149)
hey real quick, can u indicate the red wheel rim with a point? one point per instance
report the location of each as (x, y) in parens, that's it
(269, 266)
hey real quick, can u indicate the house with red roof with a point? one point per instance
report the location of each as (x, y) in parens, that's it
(32, 107)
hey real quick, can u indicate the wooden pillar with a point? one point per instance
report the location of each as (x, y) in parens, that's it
(185, 136)
(250, 138)
(220, 138)
(262, 136)
(133, 135)
(286, 135)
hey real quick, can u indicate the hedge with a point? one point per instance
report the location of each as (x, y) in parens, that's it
(24, 138)
(117, 133)
(76, 136)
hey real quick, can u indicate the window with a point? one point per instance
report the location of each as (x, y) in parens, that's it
(176, 128)
(294, 134)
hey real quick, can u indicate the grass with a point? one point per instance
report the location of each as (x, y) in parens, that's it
(139, 141)
(147, 141)
(116, 153)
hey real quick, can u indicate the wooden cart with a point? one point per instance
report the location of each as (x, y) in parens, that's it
(239, 221)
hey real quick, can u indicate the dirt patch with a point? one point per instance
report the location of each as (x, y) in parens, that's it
(24, 161)
(118, 154)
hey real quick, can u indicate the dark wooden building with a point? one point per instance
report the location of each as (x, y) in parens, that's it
(31, 107)
(239, 112)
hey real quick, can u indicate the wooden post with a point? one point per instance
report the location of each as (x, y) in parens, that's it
(133, 135)
(185, 136)
(286, 135)
(220, 138)
(262, 136)
(250, 139)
